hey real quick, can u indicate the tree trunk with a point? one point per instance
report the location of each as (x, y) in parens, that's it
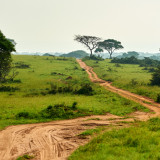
(110, 55)
(91, 53)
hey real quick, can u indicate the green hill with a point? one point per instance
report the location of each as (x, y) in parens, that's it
(76, 54)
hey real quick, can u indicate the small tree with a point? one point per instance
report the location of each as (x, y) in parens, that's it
(110, 45)
(6, 47)
(90, 42)
(156, 77)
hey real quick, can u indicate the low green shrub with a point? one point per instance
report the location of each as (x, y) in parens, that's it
(8, 89)
(158, 98)
(61, 88)
(85, 89)
(60, 111)
(133, 82)
(26, 115)
(21, 65)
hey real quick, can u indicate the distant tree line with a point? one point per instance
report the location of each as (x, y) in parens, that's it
(129, 54)
(146, 62)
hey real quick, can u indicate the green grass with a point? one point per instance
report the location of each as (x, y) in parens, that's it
(126, 76)
(33, 94)
(25, 157)
(141, 142)
(90, 132)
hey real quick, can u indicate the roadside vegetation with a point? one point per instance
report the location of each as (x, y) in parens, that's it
(133, 77)
(141, 141)
(45, 84)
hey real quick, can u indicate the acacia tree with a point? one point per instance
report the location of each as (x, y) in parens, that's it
(90, 42)
(110, 45)
(6, 47)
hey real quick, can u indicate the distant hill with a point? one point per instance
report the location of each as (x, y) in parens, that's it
(47, 54)
(76, 54)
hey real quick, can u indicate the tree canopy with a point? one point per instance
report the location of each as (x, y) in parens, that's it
(6, 47)
(90, 42)
(110, 45)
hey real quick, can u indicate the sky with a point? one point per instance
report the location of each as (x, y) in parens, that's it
(50, 25)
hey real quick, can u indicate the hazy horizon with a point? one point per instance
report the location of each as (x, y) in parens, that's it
(50, 25)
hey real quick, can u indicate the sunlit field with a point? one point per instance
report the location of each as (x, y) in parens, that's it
(48, 81)
(126, 76)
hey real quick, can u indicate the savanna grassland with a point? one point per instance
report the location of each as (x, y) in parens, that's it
(51, 88)
(130, 77)
(141, 141)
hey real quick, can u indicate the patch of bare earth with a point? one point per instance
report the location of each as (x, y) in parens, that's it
(58, 139)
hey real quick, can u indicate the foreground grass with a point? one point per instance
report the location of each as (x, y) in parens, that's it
(126, 76)
(35, 83)
(140, 142)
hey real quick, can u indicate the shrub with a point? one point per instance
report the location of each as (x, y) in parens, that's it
(133, 82)
(156, 77)
(23, 115)
(8, 89)
(61, 89)
(117, 65)
(85, 89)
(158, 98)
(60, 111)
(21, 65)
(55, 73)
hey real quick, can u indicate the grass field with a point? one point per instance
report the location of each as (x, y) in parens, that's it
(126, 76)
(26, 98)
(139, 142)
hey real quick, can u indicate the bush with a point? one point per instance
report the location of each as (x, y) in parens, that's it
(23, 115)
(21, 65)
(156, 77)
(158, 98)
(117, 65)
(8, 89)
(61, 89)
(133, 82)
(60, 111)
(85, 89)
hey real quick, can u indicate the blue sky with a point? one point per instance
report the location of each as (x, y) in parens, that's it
(50, 25)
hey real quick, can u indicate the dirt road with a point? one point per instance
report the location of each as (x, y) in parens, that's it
(145, 101)
(58, 139)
